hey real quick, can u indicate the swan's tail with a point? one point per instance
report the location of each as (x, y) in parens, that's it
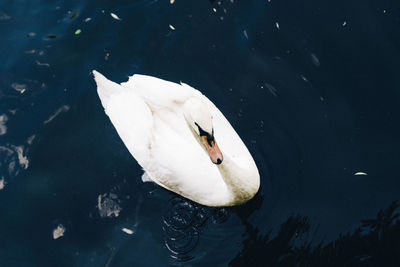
(106, 88)
(130, 116)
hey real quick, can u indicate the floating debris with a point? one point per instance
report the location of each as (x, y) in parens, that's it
(304, 78)
(51, 36)
(315, 60)
(245, 34)
(20, 87)
(87, 19)
(171, 27)
(271, 89)
(106, 56)
(214, 9)
(78, 31)
(344, 23)
(30, 139)
(31, 34)
(115, 16)
(171, 2)
(277, 25)
(3, 127)
(64, 108)
(360, 173)
(2, 183)
(42, 64)
(108, 205)
(126, 230)
(22, 160)
(59, 231)
(13, 157)
(33, 51)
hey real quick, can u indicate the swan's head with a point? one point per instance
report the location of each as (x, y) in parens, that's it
(198, 116)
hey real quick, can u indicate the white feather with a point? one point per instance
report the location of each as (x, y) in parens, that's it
(148, 114)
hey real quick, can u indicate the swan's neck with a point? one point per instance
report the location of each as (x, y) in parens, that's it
(239, 180)
(242, 182)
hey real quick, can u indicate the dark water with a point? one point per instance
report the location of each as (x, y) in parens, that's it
(312, 87)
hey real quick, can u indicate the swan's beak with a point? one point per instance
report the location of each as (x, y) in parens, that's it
(212, 150)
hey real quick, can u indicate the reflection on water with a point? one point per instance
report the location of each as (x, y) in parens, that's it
(375, 243)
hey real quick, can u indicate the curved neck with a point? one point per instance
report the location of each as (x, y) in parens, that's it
(238, 180)
(243, 183)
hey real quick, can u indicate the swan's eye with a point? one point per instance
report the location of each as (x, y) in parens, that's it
(201, 131)
(210, 137)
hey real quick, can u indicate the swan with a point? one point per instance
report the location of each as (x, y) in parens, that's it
(172, 131)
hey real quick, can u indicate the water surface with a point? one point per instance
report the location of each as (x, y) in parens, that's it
(312, 87)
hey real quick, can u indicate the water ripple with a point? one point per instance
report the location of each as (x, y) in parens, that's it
(182, 225)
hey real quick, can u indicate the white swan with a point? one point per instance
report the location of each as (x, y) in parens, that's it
(171, 130)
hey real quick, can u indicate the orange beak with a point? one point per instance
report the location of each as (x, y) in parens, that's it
(212, 150)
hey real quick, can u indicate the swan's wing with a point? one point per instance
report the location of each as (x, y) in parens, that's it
(129, 114)
(159, 93)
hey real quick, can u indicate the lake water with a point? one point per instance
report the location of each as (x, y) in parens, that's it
(312, 87)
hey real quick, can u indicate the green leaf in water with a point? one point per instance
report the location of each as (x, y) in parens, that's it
(78, 31)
